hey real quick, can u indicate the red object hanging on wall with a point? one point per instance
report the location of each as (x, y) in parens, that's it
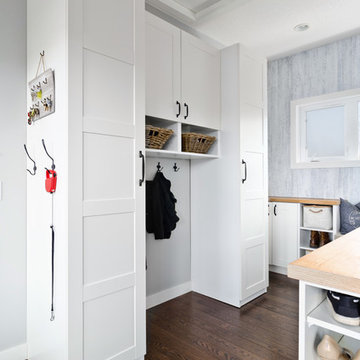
(50, 181)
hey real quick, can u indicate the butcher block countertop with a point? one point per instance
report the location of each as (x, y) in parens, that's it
(310, 201)
(335, 265)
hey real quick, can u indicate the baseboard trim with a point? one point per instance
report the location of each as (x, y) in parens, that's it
(278, 269)
(166, 295)
(253, 297)
(16, 353)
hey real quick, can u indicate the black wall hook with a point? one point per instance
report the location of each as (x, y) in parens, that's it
(53, 163)
(159, 167)
(176, 168)
(34, 168)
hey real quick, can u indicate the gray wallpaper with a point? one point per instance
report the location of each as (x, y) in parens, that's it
(326, 69)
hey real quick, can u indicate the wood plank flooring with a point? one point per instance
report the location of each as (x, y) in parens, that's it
(194, 327)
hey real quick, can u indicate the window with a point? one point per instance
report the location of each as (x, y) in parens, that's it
(325, 131)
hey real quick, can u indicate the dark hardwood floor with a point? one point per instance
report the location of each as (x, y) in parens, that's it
(194, 327)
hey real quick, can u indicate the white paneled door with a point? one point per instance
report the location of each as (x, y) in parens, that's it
(113, 200)
(284, 236)
(163, 89)
(200, 82)
(254, 218)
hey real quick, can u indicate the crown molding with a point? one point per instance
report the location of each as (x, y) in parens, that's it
(187, 16)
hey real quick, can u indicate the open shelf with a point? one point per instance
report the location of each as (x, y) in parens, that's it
(173, 147)
(307, 248)
(350, 344)
(178, 154)
(314, 229)
(321, 316)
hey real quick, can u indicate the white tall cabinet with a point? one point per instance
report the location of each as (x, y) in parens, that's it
(229, 231)
(95, 137)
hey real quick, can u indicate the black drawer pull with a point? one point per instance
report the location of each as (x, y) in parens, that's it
(244, 162)
(179, 109)
(187, 110)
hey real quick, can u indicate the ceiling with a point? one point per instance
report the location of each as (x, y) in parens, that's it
(266, 26)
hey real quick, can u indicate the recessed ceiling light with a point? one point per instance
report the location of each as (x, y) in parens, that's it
(301, 27)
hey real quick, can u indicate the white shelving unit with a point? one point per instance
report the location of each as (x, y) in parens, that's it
(316, 320)
(305, 232)
(173, 147)
(321, 316)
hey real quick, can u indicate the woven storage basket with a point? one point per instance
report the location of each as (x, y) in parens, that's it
(156, 137)
(197, 143)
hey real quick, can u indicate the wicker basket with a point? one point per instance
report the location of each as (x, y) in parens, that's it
(197, 143)
(157, 137)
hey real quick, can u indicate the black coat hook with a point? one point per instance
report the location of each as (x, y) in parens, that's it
(176, 168)
(42, 53)
(159, 167)
(34, 168)
(53, 163)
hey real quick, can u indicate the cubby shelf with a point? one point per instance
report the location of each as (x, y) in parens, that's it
(307, 248)
(304, 233)
(178, 155)
(321, 316)
(173, 148)
(314, 229)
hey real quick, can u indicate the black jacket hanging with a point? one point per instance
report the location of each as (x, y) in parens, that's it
(161, 216)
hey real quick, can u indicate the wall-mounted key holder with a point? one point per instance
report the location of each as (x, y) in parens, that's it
(42, 92)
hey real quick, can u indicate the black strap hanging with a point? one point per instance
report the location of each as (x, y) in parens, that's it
(50, 187)
(52, 318)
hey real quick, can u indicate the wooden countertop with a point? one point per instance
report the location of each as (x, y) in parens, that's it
(305, 200)
(335, 265)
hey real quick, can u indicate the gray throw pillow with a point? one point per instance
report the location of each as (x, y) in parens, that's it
(349, 216)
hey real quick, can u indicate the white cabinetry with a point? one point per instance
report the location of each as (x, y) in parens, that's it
(182, 76)
(284, 219)
(95, 135)
(229, 231)
(289, 239)
(200, 82)
(163, 69)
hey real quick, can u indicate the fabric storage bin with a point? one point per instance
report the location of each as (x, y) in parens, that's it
(317, 217)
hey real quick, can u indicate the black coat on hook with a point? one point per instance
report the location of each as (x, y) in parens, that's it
(161, 215)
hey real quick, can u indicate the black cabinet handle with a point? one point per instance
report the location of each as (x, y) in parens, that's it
(187, 110)
(244, 162)
(179, 109)
(275, 210)
(141, 156)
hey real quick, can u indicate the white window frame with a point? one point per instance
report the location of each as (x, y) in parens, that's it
(349, 99)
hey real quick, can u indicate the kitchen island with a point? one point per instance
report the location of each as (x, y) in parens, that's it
(335, 266)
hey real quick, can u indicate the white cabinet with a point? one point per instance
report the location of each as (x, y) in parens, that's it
(99, 289)
(284, 219)
(163, 58)
(229, 222)
(182, 76)
(200, 82)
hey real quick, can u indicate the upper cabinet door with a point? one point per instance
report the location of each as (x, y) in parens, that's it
(200, 83)
(162, 69)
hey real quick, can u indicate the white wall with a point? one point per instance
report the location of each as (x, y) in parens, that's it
(169, 259)
(12, 173)
(46, 27)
